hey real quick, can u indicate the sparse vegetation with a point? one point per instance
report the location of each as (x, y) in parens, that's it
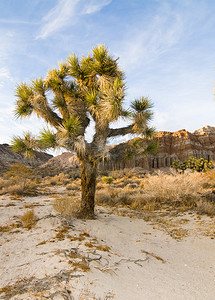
(18, 180)
(194, 164)
(66, 205)
(28, 219)
(106, 179)
(178, 192)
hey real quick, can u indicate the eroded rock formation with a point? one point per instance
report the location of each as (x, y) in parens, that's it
(179, 145)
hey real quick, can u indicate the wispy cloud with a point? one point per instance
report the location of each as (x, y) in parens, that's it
(7, 21)
(153, 39)
(66, 13)
(92, 6)
(5, 75)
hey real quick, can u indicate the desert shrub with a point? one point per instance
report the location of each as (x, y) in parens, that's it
(19, 189)
(122, 173)
(19, 172)
(160, 190)
(117, 196)
(60, 179)
(174, 190)
(107, 180)
(205, 207)
(66, 206)
(193, 163)
(4, 183)
(18, 180)
(28, 219)
(73, 187)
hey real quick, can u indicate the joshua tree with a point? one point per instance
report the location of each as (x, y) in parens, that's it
(91, 89)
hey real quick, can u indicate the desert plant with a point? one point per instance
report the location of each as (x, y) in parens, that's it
(18, 180)
(66, 206)
(90, 89)
(107, 179)
(28, 219)
(193, 163)
(174, 190)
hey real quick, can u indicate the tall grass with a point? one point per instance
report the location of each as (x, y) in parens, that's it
(161, 191)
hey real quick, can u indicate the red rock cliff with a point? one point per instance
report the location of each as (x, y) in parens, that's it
(179, 145)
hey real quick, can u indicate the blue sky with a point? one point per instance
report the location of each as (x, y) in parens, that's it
(165, 47)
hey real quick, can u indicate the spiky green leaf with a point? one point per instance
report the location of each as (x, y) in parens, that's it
(25, 145)
(47, 139)
(38, 86)
(70, 127)
(141, 105)
(24, 92)
(23, 109)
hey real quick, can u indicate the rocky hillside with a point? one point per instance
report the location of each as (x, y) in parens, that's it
(64, 161)
(179, 145)
(8, 157)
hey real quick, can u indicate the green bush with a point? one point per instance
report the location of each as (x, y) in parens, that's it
(193, 163)
(107, 179)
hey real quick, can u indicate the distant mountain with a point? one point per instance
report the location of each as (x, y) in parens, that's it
(8, 157)
(63, 161)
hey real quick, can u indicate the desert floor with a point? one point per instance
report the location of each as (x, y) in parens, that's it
(111, 257)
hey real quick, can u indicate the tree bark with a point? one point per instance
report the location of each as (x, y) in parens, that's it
(88, 188)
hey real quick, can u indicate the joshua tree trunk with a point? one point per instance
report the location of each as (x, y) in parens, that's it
(88, 188)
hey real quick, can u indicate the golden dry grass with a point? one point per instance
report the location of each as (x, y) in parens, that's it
(28, 219)
(159, 191)
(67, 205)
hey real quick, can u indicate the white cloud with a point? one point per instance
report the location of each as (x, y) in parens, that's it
(58, 17)
(5, 73)
(66, 13)
(5, 76)
(153, 39)
(92, 6)
(7, 21)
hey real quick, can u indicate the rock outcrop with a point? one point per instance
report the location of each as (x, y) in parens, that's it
(8, 157)
(179, 145)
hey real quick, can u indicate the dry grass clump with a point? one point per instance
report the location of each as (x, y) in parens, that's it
(67, 205)
(73, 187)
(19, 188)
(20, 180)
(5, 228)
(4, 183)
(179, 192)
(60, 179)
(205, 207)
(61, 234)
(172, 189)
(28, 219)
(116, 174)
(117, 196)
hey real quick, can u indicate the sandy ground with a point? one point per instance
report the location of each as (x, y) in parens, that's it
(111, 257)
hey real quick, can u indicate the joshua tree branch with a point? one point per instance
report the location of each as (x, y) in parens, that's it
(120, 131)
